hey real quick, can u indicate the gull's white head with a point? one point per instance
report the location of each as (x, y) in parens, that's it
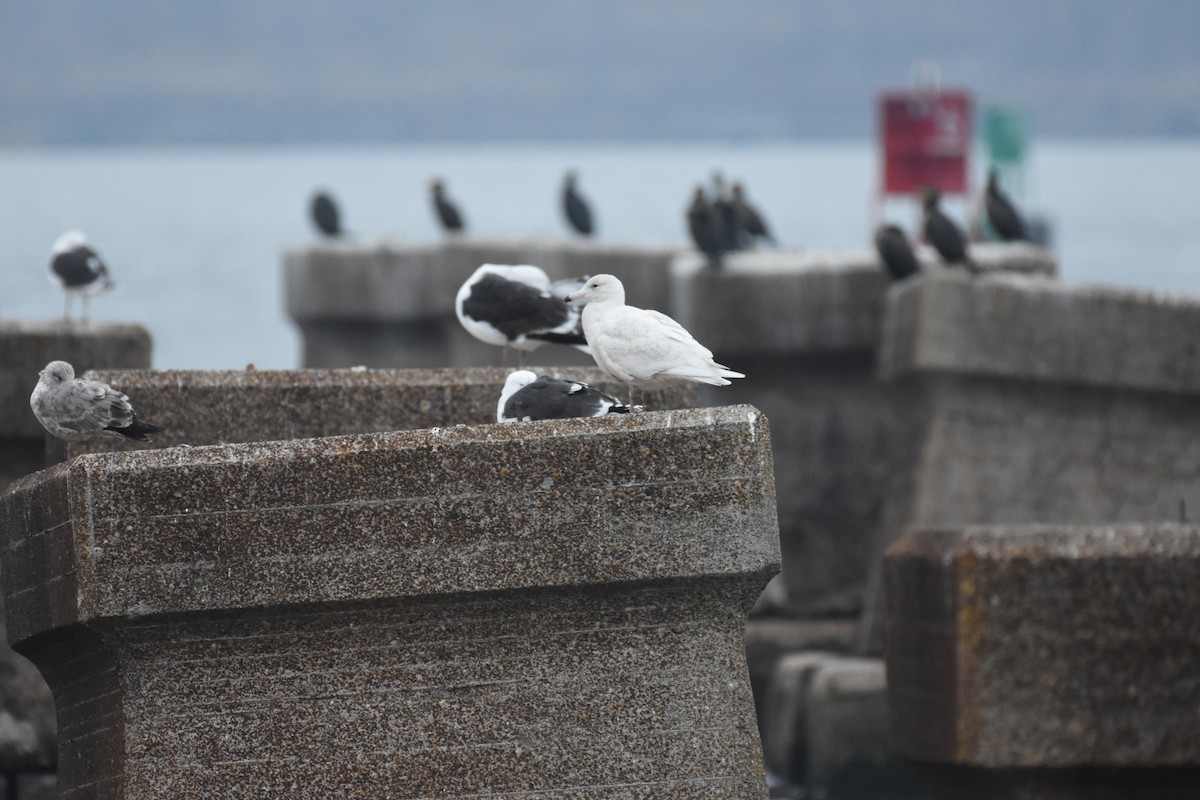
(57, 372)
(71, 240)
(516, 381)
(598, 288)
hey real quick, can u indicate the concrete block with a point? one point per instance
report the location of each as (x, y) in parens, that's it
(1039, 330)
(1065, 649)
(386, 304)
(200, 407)
(806, 330)
(553, 608)
(1022, 401)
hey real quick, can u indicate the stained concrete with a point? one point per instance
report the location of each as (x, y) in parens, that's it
(389, 304)
(1025, 401)
(806, 329)
(552, 607)
(1047, 656)
(198, 407)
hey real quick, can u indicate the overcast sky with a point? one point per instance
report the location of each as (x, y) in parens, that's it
(266, 71)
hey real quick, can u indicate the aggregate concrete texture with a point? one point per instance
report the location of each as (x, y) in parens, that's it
(1046, 647)
(388, 304)
(200, 407)
(552, 607)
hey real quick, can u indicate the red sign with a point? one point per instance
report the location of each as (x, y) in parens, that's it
(926, 138)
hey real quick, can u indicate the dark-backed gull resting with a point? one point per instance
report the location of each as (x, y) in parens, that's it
(944, 234)
(575, 207)
(448, 215)
(513, 306)
(1002, 215)
(78, 270)
(324, 213)
(896, 252)
(527, 396)
(74, 409)
(639, 347)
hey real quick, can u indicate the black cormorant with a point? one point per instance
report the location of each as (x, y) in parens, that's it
(323, 212)
(896, 252)
(944, 234)
(576, 209)
(447, 212)
(1002, 215)
(750, 219)
(705, 228)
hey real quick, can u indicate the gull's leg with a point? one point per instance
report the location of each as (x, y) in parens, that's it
(84, 318)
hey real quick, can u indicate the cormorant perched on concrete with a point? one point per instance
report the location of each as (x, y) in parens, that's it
(447, 213)
(576, 209)
(706, 228)
(1001, 213)
(75, 265)
(896, 252)
(726, 227)
(323, 212)
(750, 220)
(944, 234)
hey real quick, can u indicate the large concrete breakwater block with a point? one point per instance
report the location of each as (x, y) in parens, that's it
(806, 328)
(549, 608)
(386, 304)
(1047, 661)
(1028, 401)
(199, 407)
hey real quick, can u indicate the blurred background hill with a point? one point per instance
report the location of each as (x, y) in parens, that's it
(353, 71)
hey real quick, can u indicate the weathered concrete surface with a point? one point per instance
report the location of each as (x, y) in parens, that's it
(27, 346)
(826, 729)
(1024, 401)
(1039, 330)
(385, 304)
(199, 407)
(554, 607)
(27, 719)
(806, 329)
(1047, 648)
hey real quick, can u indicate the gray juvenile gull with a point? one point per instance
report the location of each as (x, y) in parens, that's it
(74, 409)
(641, 347)
(944, 234)
(575, 207)
(1001, 213)
(527, 396)
(514, 306)
(896, 252)
(447, 212)
(79, 270)
(323, 211)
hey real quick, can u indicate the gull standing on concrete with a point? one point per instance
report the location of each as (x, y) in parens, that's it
(575, 207)
(527, 396)
(944, 234)
(641, 347)
(324, 214)
(447, 212)
(74, 409)
(514, 306)
(78, 270)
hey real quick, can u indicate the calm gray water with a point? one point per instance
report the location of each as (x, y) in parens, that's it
(194, 237)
